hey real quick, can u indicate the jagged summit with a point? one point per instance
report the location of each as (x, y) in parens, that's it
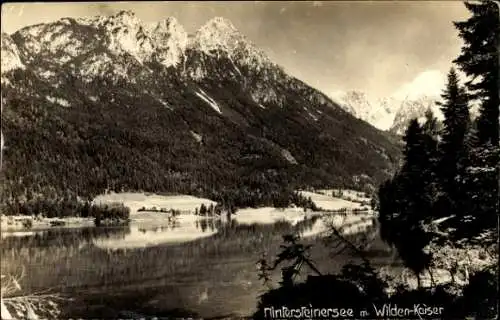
(390, 113)
(169, 22)
(127, 16)
(218, 34)
(378, 112)
(171, 40)
(123, 17)
(220, 23)
(165, 41)
(68, 39)
(125, 13)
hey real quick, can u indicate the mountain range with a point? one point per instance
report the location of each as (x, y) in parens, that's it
(390, 114)
(114, 103)
(393, 113)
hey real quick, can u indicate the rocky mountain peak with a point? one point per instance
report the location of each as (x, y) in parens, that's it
(11, 59)
(218, 34)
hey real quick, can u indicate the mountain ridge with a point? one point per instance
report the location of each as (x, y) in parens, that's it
(111, 108)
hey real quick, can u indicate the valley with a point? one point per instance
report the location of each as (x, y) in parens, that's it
(198, 160)
(158, 124)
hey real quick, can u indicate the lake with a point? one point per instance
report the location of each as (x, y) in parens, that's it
(181, 267)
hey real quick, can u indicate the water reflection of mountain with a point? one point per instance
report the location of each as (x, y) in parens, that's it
(350, 226)
(233, 228)
(64, 237)
(173, 231)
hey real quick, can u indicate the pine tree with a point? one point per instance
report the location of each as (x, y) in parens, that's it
(430, 165)
(417, 171)
(452, 147)
(413, 150)
(479, 61)
(431, 125)
(203, 209)
(407, 200)
(430, 136)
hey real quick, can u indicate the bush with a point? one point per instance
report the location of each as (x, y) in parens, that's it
(114, 213)
(15, 301)
(27, 223)
(57, 223)
(361, 286)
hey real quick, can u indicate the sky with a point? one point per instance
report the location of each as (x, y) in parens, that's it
(380, 47)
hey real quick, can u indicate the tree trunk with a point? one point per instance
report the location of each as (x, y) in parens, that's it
(433, 283)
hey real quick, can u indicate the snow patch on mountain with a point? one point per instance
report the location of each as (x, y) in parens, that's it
(196, 136)
(208, 100)
(60, 101)
(288, 156)
(47, 74)
(165, 104)
(313, 117)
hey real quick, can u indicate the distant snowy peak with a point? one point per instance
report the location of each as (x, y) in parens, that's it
(378, 112)
(10, 55)
(388, 114)
(415, 109)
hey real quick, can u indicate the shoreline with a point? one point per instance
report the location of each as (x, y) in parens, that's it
(185, 203)
(17, 223)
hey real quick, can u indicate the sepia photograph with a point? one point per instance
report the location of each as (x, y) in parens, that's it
(250, 160)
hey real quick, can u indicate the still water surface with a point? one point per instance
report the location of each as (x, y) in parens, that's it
(182, 267)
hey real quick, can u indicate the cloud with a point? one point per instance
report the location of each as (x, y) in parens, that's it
(430, 82)
(317, 3)
(21, 11)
